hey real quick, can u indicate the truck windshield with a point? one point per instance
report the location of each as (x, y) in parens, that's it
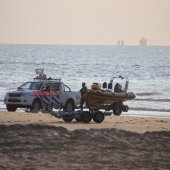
(31, 86)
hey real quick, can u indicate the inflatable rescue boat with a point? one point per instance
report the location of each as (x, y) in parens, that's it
(101, 97)
(98, 96)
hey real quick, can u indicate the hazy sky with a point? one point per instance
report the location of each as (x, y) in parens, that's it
(84, 21)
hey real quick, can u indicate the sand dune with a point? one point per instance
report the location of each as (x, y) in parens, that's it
(39, 141)
(48, 147)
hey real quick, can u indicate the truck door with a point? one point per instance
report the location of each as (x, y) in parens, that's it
(64, 93)
(54, 94)
(50, 95)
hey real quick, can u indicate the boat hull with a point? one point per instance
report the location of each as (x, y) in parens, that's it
(99, 97)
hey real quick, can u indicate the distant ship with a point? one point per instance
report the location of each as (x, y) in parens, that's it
(143, 42)
(120, 42)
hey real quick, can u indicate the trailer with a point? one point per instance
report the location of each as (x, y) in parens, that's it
(96, 114)
(81, 116)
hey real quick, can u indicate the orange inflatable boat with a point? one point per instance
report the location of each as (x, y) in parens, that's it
(109, 97)
(103, 97)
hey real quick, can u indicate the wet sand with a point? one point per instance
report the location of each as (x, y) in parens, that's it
(41, 141)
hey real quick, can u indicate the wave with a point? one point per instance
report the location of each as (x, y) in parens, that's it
(28, 63)
(40, 63)
(149, 109)
(136, 65)
(153, 100)
(160, 66)
(147, 93)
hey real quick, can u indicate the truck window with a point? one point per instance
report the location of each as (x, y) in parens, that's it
(66, 88)
(31, 85)
(56, 86)
(52, 87)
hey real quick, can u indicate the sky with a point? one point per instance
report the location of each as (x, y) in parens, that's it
(88, 22)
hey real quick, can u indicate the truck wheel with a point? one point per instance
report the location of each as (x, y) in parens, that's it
(36, 106)
(118, 109)
(86, 117)
(98, 117)
(69, 107)
(67, 118)
(11, 108)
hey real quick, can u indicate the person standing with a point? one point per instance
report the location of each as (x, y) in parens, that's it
(84, 91)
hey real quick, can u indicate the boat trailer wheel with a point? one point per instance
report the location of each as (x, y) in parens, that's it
(98, 117)
(67, 118)
(118, 109)
(86, 117)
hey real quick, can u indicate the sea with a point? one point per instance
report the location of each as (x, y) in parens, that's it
(147, 68)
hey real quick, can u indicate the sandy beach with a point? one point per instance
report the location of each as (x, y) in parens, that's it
(128, 123)
(41, 141)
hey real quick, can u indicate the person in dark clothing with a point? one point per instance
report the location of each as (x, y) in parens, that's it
(84, 91)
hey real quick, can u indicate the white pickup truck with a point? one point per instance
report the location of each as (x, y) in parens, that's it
(38, 94)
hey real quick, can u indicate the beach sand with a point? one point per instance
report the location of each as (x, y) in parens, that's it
(128, 123)
(41, 141)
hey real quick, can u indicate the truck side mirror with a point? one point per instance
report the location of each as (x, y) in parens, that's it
(19, 88)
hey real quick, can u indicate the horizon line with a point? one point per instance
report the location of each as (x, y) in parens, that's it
(150, 45)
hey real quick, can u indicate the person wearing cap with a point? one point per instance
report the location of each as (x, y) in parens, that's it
(84, 91)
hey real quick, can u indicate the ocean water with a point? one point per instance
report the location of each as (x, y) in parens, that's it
(148, 69)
